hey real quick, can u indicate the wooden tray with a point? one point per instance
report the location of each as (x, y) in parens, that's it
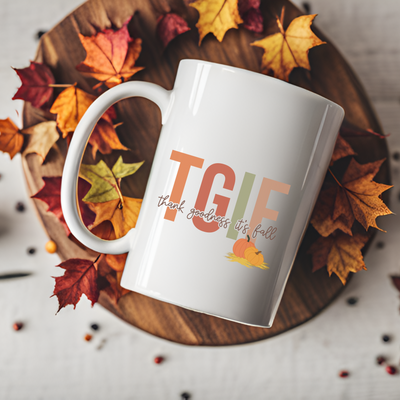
(306, 293)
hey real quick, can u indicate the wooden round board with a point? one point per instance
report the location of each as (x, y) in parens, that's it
(306, 293)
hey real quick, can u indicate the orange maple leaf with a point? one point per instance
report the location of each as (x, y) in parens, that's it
(216, 16)
(356, 197)
(70, 105)
(11, 138)
(110, 56)
(340, 253)
(288, 49)
(122, 213)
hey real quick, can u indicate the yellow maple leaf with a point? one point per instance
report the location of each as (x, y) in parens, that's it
(216, 16)
(288, 49)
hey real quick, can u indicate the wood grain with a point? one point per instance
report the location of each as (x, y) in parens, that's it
(306, 293)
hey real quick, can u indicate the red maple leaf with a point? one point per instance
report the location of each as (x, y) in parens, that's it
(50, 194)
(35, 84)
(251, 15)
(79, 278)
(396, 281)
(169, 26)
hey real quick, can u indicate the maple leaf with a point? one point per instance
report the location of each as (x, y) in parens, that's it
(122, 213)
(217, 17)
(340, 253)
(349, 130)
(356, 197)
(342, 149)
(250, 12)
(105, 181)
(288, 49)
(36, 80)
(50, 194)
(11, 139)
(70, 105)
(42, 138)
(79, 278)
(169, 26)
(116, 261)
(110, 55)
(396, 281)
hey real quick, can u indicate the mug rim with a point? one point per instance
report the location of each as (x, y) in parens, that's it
(244, 71)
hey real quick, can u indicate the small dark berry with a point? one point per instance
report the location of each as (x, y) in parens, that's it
(159, 360)
(31, 250)
(386, 338)
(88, 337)
(39, 34)
(380, 360)
(391, 370)
(352, 300)
(307, 7)
(95, 327)
(185, 396)
(396, 156)
(344, 374)
(18, 326)
(20, 207)
(380, 245)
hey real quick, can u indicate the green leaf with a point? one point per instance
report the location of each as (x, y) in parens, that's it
(105, 182)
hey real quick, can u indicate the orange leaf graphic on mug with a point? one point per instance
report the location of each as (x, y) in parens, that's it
(356, 197)
(216, 16)
(70, 106)
(110, 56)
(340, 253)
(288, 49)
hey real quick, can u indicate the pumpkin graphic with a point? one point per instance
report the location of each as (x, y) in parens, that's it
(241, 245)
(253, 256)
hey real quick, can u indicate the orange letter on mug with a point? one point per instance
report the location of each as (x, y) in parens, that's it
(260, 210)
(186, 161)
(221, 201)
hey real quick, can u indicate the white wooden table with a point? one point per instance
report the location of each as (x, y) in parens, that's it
(49, 359)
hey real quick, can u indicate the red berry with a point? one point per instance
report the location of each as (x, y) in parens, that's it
(88, 337)
(391, 370)
(344, 374)
(159, 360)
(380, 360)
(18, 326)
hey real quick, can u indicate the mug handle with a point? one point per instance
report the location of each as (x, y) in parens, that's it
(69, 183)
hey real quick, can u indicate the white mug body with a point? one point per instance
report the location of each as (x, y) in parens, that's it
(240, 156)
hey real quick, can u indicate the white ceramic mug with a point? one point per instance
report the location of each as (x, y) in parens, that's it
(237, 170)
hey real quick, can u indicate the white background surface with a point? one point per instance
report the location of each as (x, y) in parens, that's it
(49, 359)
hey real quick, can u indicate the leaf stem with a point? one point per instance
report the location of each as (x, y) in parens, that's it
(334, 177)
(56, 85)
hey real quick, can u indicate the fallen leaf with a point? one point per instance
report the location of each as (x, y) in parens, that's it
(349, 130)
(122, 213)
(116, 261)
(340, 253)
(35, 84)
(79, 278)
(70, 105)
(249, 11)
(11, 139)
(50, 194)
(331, 213)
(169, 26)
(342, 149)
(42, 138)
(110, 56)
(356, 197)
(288, 49)
(104, 138)
(217, 17)
(105, 181)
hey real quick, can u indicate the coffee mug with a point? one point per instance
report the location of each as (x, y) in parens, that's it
(237, 170)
